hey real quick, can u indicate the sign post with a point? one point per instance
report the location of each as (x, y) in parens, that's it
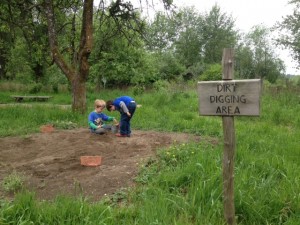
(229, 98)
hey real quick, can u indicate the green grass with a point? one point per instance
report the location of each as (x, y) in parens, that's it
(13, 182)
(183, 184)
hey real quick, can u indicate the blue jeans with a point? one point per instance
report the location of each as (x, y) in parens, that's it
(125, 119)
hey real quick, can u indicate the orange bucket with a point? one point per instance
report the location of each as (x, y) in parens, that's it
(48, 128)
(90, 160)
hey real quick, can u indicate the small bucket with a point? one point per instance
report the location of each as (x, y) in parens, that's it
(48, 128)
(90, 160)
(114, 129)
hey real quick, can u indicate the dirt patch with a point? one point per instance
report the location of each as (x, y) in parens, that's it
(51, 165)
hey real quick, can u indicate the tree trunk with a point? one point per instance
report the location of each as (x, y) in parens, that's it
(79, 95)
(77, 72)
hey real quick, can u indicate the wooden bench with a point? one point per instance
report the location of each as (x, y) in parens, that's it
(19, 98)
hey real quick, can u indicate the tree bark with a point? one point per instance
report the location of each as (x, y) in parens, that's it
(79, 95)
(76, 73)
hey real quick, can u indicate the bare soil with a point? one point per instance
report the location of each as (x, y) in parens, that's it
(50, 162)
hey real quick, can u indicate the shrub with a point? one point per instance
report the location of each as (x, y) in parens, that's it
(214, 72)
(35, 88)
(12, 182)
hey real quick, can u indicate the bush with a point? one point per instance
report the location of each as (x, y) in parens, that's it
(35, 88)
(161, 85)
(12, 182)
(214, 72)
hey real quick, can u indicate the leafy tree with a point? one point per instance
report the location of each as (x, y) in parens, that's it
(244, 61)
(179, 34)
(188, 46)
(4, 50)
(256, 58)
(214, 72)
(193, 39)
(169, 67)
(18, 67)
(218, 32)
(21, 21)
(119, 58)
(161, 33)
(289, 31)
(77, 70)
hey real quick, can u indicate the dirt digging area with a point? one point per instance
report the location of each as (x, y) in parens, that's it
(50, 162)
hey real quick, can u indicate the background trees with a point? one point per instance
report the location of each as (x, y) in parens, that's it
(112, 45)
(290, 33)
(256, 57)
(195, 40)
(23, 44)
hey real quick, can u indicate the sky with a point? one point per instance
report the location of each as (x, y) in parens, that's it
(247, 13)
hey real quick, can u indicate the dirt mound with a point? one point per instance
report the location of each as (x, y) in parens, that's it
(51, 165)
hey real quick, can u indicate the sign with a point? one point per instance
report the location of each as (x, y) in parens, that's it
(230, 97)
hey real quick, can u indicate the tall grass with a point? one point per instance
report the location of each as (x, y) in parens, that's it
(183, 184)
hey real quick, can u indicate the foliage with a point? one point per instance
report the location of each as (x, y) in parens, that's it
(188, 47)
(133, 51)
(183, 183)
(161, 86)
(218, 30)
(191, 38)
(66, 125)
(18, 67)
(169, 67)
(214, 72)
(13, 182)
(255, 57)
(54, 78)
(160, 33)
(124, 66)
(24, 34)
(289, 31)
(35, 88)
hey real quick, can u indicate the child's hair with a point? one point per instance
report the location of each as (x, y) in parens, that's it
(109, 104)
(99, 103)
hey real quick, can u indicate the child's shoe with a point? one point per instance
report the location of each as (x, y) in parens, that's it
(121, 135)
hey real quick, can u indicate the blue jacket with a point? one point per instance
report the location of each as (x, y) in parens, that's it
(95, 119)
(118, 103)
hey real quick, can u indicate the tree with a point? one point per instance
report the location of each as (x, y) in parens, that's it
(20, 23)
(290, 32)
(188, 46)
(193, 39)
(218, 33)
(77, 70)
(119, 57)
(161, 33)
(256, 58)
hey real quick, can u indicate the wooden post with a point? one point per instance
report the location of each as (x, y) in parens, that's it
(229, 98)
(229, 145)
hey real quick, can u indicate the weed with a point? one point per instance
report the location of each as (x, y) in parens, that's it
(13, 182)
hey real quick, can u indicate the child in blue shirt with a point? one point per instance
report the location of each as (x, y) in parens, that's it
(126, 105)
(97, 117)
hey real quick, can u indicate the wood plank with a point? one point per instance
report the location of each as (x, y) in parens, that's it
(20, 98)
(230, 97)
(229, 141)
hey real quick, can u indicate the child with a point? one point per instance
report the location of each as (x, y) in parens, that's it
(126, 106)
(96, 118)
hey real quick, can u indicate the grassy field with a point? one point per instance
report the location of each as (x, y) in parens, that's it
(183, 185)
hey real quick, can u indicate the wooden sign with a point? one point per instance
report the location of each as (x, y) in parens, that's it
(230, 97)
